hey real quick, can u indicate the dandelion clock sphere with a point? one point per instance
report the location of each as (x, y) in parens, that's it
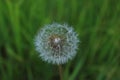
(56, 43)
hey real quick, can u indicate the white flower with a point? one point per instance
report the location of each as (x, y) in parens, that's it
(56, 43)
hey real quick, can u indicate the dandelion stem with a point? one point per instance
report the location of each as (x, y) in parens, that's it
(60, 72)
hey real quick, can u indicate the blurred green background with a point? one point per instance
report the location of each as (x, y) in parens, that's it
(96, 21)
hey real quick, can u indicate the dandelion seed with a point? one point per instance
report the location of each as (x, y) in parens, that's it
(56, 43)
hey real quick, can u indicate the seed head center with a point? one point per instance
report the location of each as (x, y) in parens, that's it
(57, 40)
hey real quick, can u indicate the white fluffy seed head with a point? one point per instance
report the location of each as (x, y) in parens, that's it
(56, 43)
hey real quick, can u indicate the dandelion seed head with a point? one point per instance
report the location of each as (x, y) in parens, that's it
(56, 43)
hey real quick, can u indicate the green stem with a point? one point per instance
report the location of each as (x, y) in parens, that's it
(60, 72)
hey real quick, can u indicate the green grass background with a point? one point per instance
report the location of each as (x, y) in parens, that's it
(96, 21)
